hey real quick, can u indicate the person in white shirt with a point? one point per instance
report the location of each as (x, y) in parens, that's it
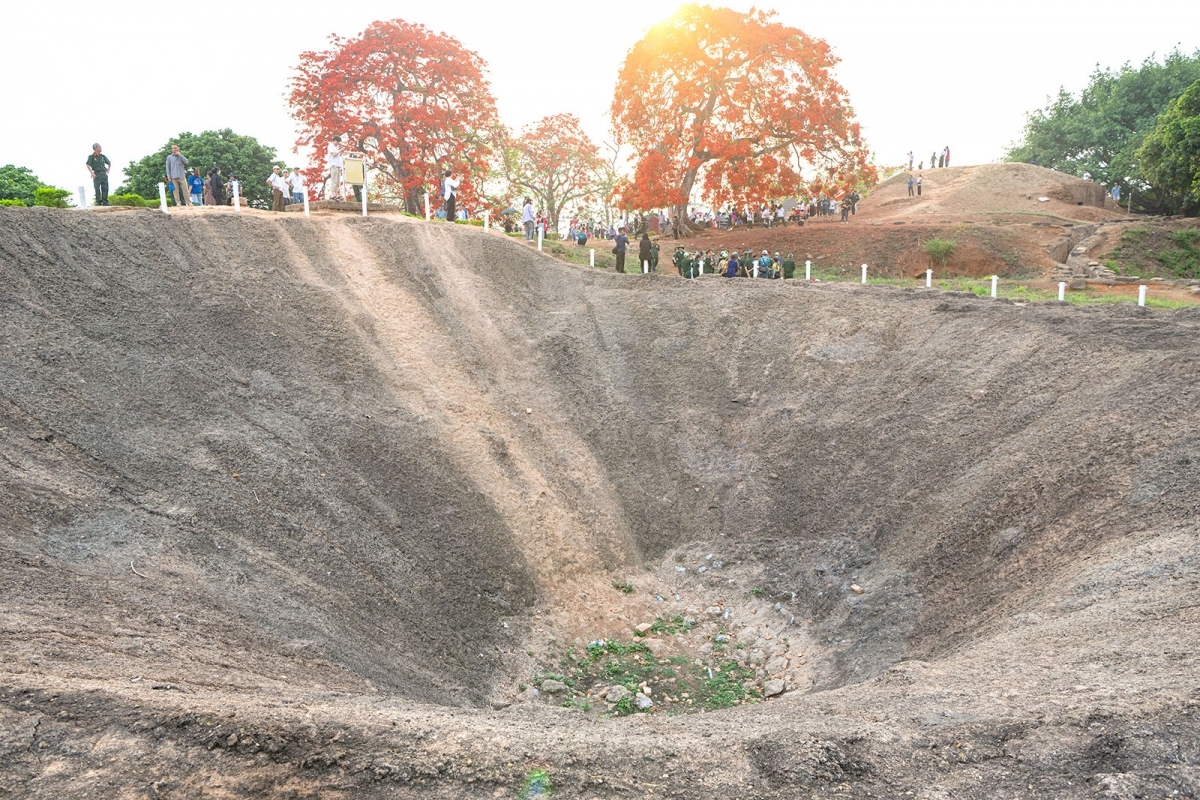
(333, 156)
(297, 183)
(278, 187)
(450, 194)
(527, 219)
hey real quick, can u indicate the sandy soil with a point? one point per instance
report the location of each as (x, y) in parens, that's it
(293, 508)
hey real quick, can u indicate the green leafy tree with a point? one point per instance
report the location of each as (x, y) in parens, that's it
(238, 155)
(18, 183)
(1100, 131)
(1170, 155)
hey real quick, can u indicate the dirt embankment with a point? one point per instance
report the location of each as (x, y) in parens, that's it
(1012, 220)
(292, 508)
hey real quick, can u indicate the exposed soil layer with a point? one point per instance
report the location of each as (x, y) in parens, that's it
(293, 507)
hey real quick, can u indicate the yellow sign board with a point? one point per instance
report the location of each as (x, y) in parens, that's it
(354, 170)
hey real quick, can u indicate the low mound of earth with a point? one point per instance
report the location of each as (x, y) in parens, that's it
(309, 507)
(1012, 220)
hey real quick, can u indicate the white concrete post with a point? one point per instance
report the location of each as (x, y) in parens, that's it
(541, 230)
(82, 198)
(427, 206)
(645, 267)
(864, 271)
(237, 196)
(995, 283)
(306, 203)
(487, 220)
(928, 279)
(1062, 291)
(756, 267)
(162, 197)
(1142, 295)
(592, 257)
(702, 266)
(808, 270)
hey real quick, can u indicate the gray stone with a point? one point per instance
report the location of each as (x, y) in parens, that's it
(644, 703)
(617, 693)
(551, 686)
(776, 665)
(773, 688)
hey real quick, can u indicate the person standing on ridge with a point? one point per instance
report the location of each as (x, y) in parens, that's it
(946, 152)
(644, 251)
(278, 187)
(196, 187)
(619, 246)
(450, 194)
(527, 219)
(933, 160)
(919, 184)
(911, 182)
(217, 184)
(98, 166)
(333, 157)
(177, 174)
(910, 159)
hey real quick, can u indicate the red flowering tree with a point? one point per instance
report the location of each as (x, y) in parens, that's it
(413, 102)
(554, 161)
(747, 106)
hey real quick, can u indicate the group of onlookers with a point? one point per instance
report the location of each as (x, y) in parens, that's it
(936, 159)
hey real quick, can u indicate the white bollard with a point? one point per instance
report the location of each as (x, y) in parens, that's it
(306, 203)
(1062, 291)
(645, 267)
(864, 271)
(592, 257)
(487, 219)
(702, 266)
(756, 269)
(995, 283)
(364, 192)
(82, 198)
(808, 270)
(427, 207)
(540, 232)
(237, 196)
(928, 279)
(162, 197)
(1142, 295)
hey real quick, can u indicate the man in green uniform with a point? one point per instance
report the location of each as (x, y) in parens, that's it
(789, 266)
(98, 164)
(654, 257)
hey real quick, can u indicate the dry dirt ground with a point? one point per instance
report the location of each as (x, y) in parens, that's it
(294, 508)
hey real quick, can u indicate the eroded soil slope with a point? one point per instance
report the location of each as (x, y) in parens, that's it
(293, 507)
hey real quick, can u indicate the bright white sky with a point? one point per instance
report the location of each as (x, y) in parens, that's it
(131, 74)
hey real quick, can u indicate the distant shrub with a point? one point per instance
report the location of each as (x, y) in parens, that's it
(477, 222)
(12, 202)
(131, 199)
(50, 197)
(939, 249)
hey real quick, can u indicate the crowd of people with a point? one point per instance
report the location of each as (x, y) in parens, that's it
(937, 159)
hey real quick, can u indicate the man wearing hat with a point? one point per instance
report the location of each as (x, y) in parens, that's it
(98, 164)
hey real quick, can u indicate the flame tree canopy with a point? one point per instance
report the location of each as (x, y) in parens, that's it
(746, 105)
(412, 101)
(555, 161)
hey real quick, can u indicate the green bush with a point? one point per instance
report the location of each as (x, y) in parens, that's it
(477, 222)
(939, 249)
(12, 202)
(133, 200)
(50, 197)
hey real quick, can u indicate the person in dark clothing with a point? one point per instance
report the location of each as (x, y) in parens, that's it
(644, 252)
(98, 166)
(619, 246)
(217, 185)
